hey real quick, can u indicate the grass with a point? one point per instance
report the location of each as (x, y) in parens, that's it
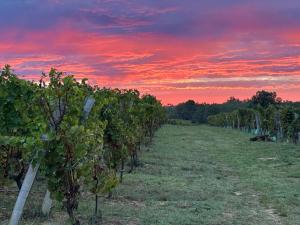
(198, 175)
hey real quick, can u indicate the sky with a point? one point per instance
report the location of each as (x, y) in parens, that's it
(206, 50)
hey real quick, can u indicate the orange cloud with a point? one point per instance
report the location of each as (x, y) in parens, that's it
(173, 68)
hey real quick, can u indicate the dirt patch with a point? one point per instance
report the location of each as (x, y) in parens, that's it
(228, 215)
(127, 201)
(118, 222)
(273, 216)
(266, 159)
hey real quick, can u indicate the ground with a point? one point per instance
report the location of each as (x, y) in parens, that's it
(195, 175)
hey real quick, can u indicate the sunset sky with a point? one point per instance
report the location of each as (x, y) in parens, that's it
(206, 50)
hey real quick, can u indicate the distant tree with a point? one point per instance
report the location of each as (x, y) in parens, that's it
(232, 104)
(171, 111)
(204, 111)
(186, 110)
(287, 118)
(199, 115)
(232, 99)
(264, 99)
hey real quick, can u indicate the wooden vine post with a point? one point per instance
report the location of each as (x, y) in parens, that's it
(257, 122)
(57, 116)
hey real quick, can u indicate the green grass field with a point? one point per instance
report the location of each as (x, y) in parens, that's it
(198, 175)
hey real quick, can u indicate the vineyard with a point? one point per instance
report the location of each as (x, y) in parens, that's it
(72, 153)
(264, 115)
(272, 123)
(150, 112)
(76, 137)
(193, 174)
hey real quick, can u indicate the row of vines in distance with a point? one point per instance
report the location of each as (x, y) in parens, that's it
(279, 122)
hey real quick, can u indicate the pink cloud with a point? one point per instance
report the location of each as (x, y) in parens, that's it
(163, 65)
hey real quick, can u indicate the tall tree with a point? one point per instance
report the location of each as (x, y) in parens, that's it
(264, 99)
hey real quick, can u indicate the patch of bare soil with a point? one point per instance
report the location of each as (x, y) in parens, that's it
(127, 201)
(267, 159)
(273, 216)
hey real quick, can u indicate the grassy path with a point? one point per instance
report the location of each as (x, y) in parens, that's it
(196, 175)
(206, 175)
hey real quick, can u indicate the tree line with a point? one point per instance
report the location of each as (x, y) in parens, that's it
(78, 136)
(200, 112)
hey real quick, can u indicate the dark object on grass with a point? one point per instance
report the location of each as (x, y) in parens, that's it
(261, 138)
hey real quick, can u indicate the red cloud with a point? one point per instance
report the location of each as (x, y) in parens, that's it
(173, 68)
